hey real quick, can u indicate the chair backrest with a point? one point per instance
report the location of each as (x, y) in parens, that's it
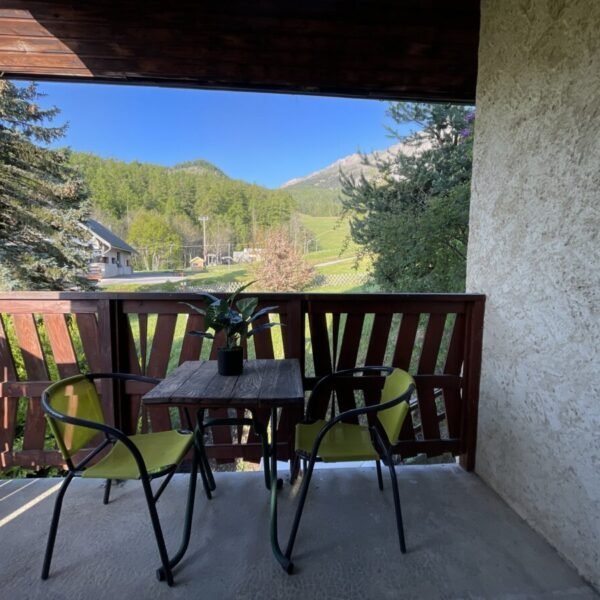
(398, 383)
(74, 397)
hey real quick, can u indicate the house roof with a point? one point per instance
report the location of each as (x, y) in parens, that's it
(108, 236)
(388, 49)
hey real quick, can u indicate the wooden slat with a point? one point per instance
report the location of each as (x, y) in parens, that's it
(87, 325)
(160, 353)
(7, 366)
(61, 345)
(35, 367)
(348, 357)
(320, 343)
(293, 330)
(454, 361)
(405, 342)
(431, 344)
(191, 347)
(263, 342)
(31, 348)
(133, 360)
(143, 340)
(8, 405)
(378, 339)
(263, 346)
(15, 306)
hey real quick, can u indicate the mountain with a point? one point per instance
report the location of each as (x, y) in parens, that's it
(328, 178)
(199, 167)
(318, 193)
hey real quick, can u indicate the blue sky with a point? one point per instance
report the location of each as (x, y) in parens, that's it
(262, 138)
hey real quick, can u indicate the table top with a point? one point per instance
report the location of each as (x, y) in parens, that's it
(263, 383)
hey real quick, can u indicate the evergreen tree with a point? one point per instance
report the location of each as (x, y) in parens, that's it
(413, 219)
(42, 200)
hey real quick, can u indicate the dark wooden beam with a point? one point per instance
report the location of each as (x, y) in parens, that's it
(389, 49)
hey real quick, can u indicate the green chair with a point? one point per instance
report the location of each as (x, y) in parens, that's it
(76, 419)
(337, 439)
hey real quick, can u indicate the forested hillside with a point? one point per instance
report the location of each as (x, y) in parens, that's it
(157, 209)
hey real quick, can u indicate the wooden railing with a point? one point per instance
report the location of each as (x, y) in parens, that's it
(45, 336)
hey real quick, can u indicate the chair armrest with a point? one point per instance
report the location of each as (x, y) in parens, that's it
(329, 379)
(124, 377)
(355, 412)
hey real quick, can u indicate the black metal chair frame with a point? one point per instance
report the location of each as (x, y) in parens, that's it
(203, 424)
(111, 436)
(379, 439)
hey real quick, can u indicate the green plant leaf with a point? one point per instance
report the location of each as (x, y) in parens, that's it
(262, 327)
(208, 297)
(247, 306)
(196, 309)
(203, 334)
(262, 312)
(233, 296)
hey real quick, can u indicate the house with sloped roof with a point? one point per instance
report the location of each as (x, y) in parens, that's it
(111, 255)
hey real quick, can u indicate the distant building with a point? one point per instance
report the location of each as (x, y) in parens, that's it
(112, 256)
(247, 255)
(197, 263)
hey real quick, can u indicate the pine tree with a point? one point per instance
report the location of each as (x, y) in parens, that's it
(42, 201)
(413, 219)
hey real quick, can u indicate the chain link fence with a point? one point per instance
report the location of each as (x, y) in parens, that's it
(335, 280)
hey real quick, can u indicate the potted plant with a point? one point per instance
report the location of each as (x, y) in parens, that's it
(235, 317)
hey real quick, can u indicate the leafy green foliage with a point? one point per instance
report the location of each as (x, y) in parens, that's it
(413, 219)
(42, 199)
(236, 210)
(158, 244)
(234, 318)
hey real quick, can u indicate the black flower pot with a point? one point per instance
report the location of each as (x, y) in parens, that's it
(231, 361)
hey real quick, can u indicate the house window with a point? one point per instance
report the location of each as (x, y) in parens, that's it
(104, 259)
(113, 260)
(127, 261)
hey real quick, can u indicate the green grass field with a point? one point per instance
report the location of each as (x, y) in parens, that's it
(331, 239)
(333, 245)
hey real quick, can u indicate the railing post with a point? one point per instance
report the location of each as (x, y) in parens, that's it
(8, 406)
(472, 376)
(295, 347)
(115, 359)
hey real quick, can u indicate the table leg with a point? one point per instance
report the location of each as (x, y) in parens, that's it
(275, 486)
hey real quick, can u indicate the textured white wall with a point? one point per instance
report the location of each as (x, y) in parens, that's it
(535, 251)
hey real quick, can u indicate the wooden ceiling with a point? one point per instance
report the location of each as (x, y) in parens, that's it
(389, 49)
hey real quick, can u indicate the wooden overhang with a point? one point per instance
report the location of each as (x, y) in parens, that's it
(388, 49)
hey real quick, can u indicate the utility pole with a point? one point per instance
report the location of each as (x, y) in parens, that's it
(203, 219)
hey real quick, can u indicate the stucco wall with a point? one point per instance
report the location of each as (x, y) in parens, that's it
(535, 251)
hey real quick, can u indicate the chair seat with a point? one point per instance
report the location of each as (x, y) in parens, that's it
(159, 450)
(344, 442)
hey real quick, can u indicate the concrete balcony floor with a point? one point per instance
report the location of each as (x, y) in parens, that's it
(463, 541)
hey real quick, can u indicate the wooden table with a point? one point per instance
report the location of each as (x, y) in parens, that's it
(265, 383)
